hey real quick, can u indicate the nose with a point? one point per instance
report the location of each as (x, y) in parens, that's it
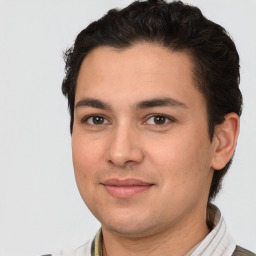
(124, 147)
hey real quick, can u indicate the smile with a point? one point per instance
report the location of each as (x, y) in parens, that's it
(125, 188)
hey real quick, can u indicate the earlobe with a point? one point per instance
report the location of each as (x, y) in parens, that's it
(224, 141)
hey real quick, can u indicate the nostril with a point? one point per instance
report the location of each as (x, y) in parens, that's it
(123, 148)
(131, 158)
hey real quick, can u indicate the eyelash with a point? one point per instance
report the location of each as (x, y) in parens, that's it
(86, 118)
(167, 118)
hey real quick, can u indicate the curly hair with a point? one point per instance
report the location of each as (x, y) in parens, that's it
(179, 27)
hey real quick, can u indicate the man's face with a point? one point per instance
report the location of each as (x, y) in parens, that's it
(141, 149)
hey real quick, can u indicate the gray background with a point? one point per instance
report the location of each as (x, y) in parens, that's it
(40, 207)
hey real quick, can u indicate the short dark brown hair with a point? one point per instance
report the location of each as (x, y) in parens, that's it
(179, 27)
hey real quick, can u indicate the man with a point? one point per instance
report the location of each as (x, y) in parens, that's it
(155, 104)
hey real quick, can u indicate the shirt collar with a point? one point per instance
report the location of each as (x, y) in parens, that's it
(217, 242)
(96, 247)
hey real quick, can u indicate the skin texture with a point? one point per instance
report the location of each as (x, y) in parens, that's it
(164, 145)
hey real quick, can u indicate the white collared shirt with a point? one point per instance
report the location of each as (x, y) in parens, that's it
(217, 243)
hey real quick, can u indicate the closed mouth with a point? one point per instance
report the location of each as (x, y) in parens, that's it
(125, 188)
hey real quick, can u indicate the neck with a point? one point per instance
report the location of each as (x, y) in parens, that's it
(176, 240)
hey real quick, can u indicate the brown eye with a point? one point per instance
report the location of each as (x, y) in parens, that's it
(96, 120)
(159, 120)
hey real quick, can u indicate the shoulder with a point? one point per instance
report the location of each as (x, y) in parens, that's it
(84, 250)
(239, 251)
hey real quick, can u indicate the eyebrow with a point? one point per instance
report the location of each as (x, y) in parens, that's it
(151, 103)
(94, 103)
(160, 102)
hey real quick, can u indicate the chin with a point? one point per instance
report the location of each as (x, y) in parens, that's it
(128, 231)
(130, 227)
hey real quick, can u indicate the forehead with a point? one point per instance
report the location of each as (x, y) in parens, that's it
(143, 70)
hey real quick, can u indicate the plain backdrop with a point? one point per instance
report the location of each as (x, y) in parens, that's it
(40, 208)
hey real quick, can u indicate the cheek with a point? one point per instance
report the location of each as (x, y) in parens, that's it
(86, 152)
(85, 162)
(183, 170)
(86, 155)
(182, 157)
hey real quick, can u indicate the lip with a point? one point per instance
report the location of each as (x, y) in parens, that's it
(125, 188)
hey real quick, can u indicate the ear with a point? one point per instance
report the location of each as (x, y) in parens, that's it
(224, 141)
